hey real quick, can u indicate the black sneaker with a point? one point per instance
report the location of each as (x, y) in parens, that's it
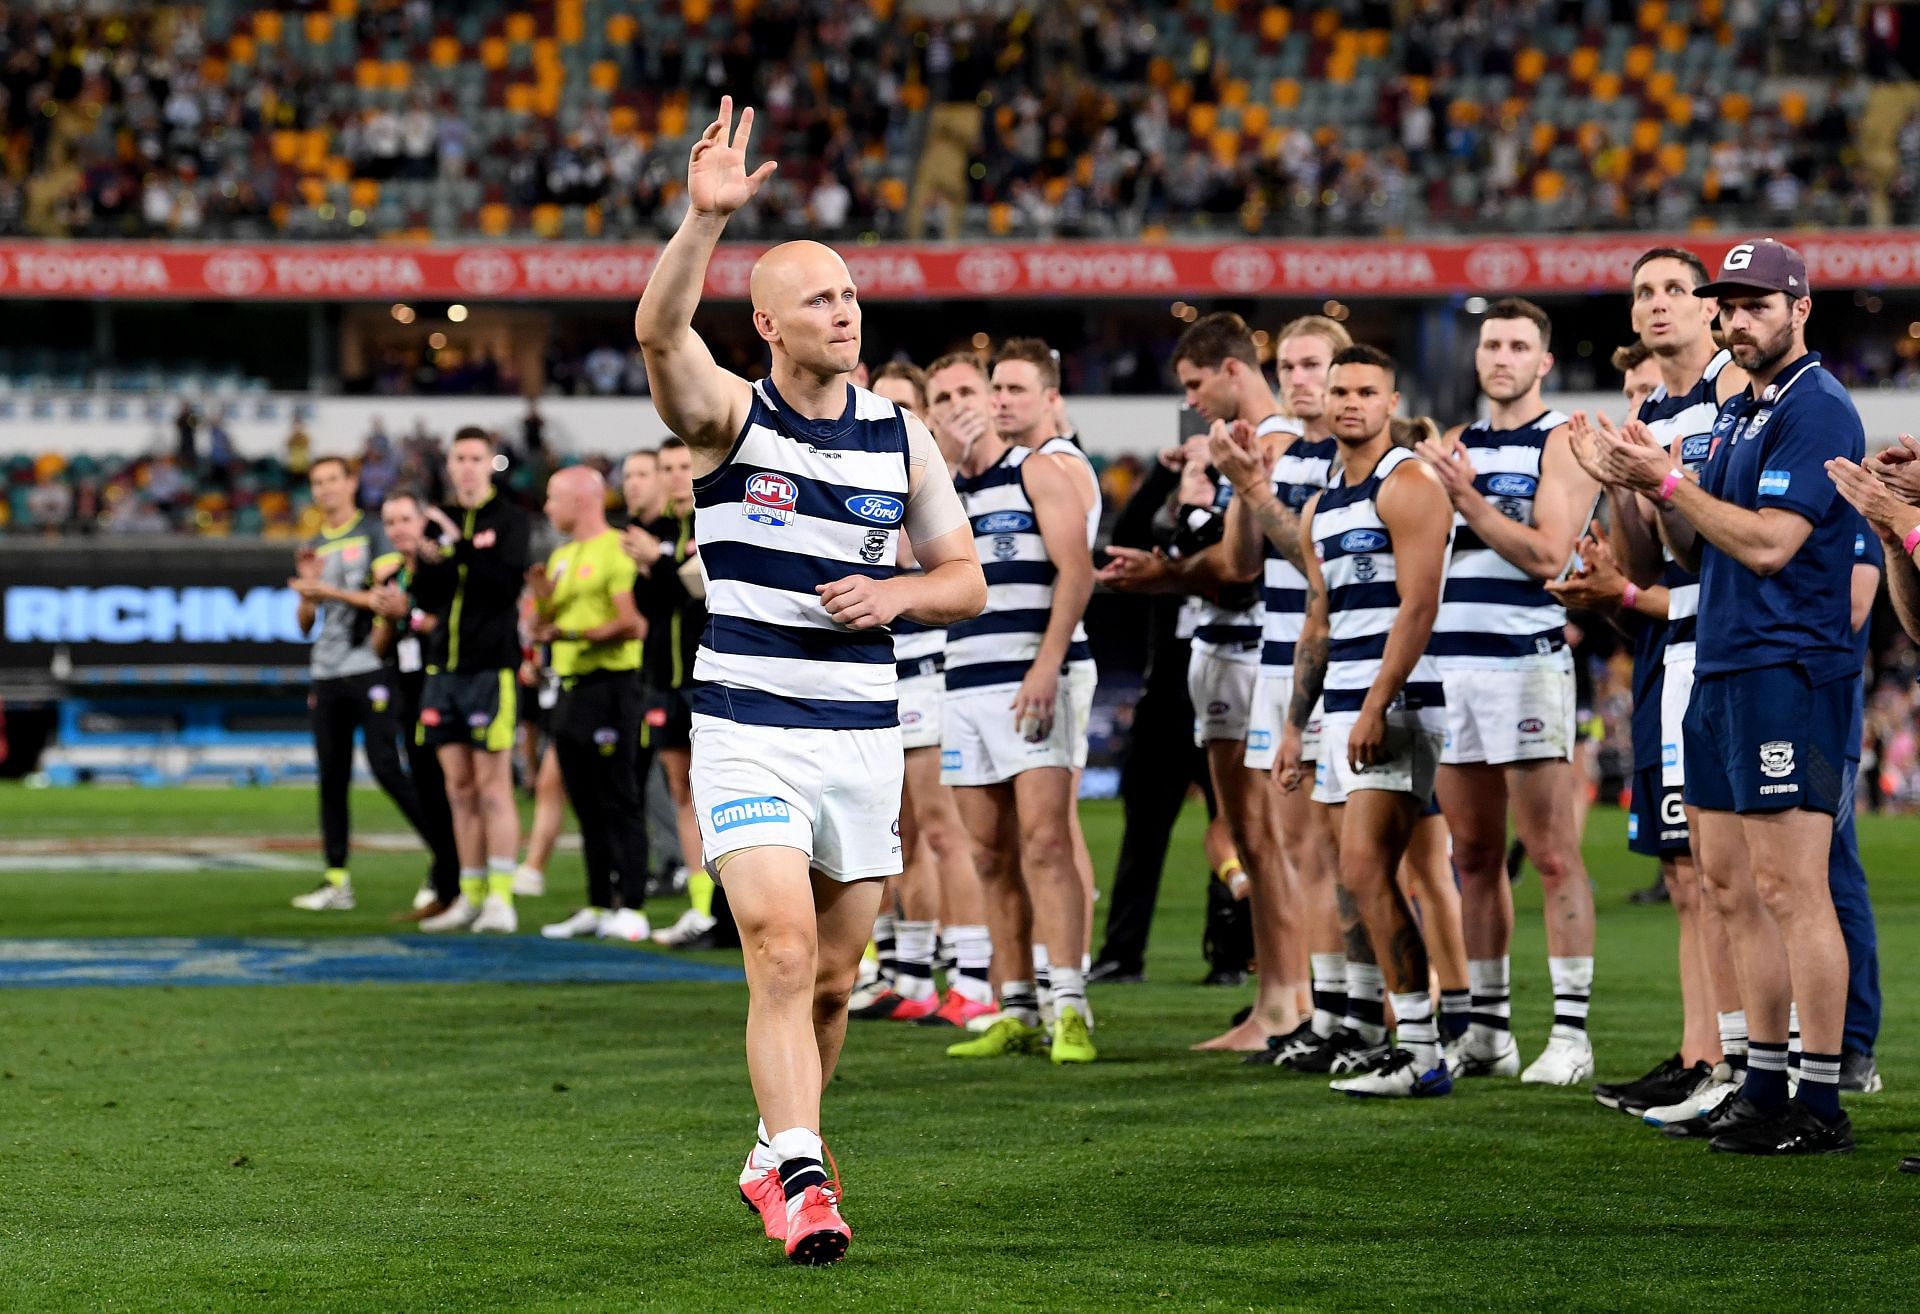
(1858, 1073)
(1108, 972)
(1910, 1164)
(1516, 860)
(1795, 1129)
(1295, 1041)
(1683, 1084)
(1338, 1053)
(1654, 893)
(1729, 1115)
(1610, 1094)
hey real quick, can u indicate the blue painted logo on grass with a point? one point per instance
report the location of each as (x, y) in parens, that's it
(335, 960)
(749, 812)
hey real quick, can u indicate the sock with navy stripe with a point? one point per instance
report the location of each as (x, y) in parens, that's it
(1366, 1002)
(1766, 1083)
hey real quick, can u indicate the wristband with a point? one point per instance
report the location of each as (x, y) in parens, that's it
(1911, 541)
(415, 619)
(1628, 595)
(1675, 477)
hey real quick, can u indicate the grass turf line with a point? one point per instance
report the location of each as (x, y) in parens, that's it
(573, 1147)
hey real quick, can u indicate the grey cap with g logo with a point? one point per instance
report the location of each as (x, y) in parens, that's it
(1761, 266)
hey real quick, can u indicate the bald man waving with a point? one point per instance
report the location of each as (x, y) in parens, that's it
(803, 484)
(584, 609)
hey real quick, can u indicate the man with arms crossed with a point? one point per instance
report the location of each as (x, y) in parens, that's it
(1379, 539)
(1520, 501)
(802, 483)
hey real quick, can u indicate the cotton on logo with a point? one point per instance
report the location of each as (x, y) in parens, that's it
(234, 273)
(1243, 269)
(987, 271)
(1496, 266)
(486, 272)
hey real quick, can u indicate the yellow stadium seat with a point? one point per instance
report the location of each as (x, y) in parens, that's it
(364, 194)
(594, 219)
(1376, 42)
(1275, 23)
(882, 9)
(547, 220)
(519, 28)
(1793, 107)
(1253, 120)
(1224, 145)
(1528, 65)
(496, 220)
(493, 53)
(1582, 64)
(914, 96)
(1160, 71)
(1420, 88)
(1587, 138)
(1653, 13)
(1673, 158)
(1679, 110)
(546, 100)
(1711, 11)
(399, 75)
(604, 76)
(570, 22)
(1234, 94)
(1637, 64)
(1202, 118)
(344, 9)
(621, 27)
(1325, 23)
(519, 97)
(1341, 66)
(673, 119)
(366, 74)
(240, 46)
(1735, 107)
(1710, 186)
(623, 120)
(1285, 94)
(1548, 186)
(286, 147)
(269, 26)
(337, 169)
(313, 190)
(1000, 219)
(696, 12)
(546, 53)
(1605, 86)
(1646, 136)
(893, 193)
(319, 29)
(1179, 96)
(444, 51)
(313, 150)
(1543, 137)
(213, 71)
(1660, 86)
(1673, 38)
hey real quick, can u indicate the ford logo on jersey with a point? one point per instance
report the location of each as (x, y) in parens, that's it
(1362, 540)
(877, 508)
(749, 812)
(1003, 522)
(1695, 447)
(771, 499)
(1512, 485)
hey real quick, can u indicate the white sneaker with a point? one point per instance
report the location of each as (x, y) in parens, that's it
(497, 917)
(690, 926)
(327, 898)
(424, 897)
(1566, 1061)
(458, 917)
(1399, 1078)
(1477, 1054)
(1717, 1090)
(529, 883)
(984, 1023)
(629, 924)
(584, 922)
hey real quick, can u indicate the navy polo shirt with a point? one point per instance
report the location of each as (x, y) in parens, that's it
(1771, 451)
(1649, 675)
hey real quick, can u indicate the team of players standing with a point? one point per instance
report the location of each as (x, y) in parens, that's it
(1407, 644)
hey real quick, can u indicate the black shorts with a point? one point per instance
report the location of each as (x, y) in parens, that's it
(669, 721)
(602, 708)
(1657, 818)
(475, 708)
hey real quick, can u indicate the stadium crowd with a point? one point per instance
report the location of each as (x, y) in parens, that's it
(249, 121)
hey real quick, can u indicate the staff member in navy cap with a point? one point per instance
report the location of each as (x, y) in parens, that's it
(1773, 699)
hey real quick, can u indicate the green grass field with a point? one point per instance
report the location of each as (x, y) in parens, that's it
(563, 1147)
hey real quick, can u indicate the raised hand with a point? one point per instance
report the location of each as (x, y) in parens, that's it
(1898, 467)
(1892, 518)
(717, 179)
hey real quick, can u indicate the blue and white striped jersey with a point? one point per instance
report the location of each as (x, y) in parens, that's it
(918, 649)
(1491, 609)
(1232, 633)
(1689, 418)
(1355, 551)
(998, 646)
(1300, 472)
(799, 503)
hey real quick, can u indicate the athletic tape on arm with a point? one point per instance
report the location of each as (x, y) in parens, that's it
(933, 508)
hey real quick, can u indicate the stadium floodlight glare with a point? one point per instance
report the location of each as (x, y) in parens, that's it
(457, 313)
(437, 341)
(402, 313)
(1476, 305)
